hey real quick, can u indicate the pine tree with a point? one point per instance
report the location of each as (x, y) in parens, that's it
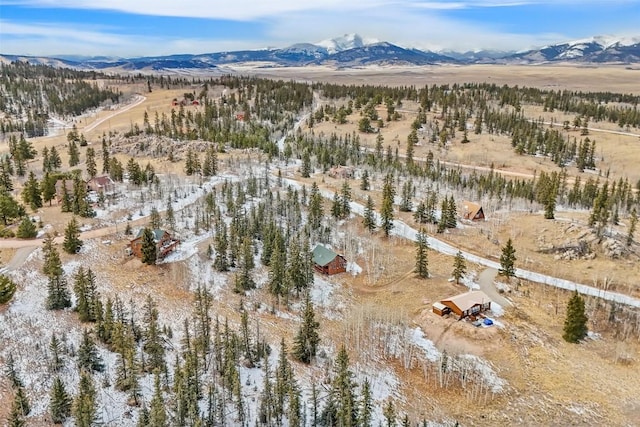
(633, 222)
(88, 357)
(55, 348)
(170, 217)
(365, 413)
(143, 417)
(152, 338)
(221, 261)
(315, 207)
(306, 341)
(88, 303)
(31, 192)
(575, 324)
(26, 230)
(149, 248)
(105, 156)
(58, 295)
(16, 418)
(368, 217)
(451, 213)
(278, 285)
(80, 204)
(7, 289)
(210, 165)
(389, 413)
(60, 404)
(336, 206)
(85, 405)
(459, 267)
(74, 154)
(305, 170)
(12, 374)
(54, 159)
(386, 211)
(157, 413)
(422, 261)
(80, 289)
(345, 200)
(21, 402)
(507, 260)
(407, 191)
(155, 221)
(66, 198)
(91, 166)
(9, 207)
(72, 242)
(48, 187)
(342, 394)
(364, 183)
(296, 267)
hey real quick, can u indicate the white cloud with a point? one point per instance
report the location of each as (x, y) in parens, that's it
(255, 9)
(52, 39)
(409, 23)
(234, 10)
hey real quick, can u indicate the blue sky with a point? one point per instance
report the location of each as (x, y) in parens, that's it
(160, 27)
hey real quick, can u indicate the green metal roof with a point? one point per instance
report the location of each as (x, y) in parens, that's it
(323, 256)
(157, 234)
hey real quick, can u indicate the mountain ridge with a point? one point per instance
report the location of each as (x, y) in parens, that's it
(351, 50)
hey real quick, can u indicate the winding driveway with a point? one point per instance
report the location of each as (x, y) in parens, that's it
(485, 280)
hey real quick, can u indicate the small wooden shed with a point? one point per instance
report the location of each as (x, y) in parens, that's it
(470, 303)
(440, 309)
(472, 211)
(328, 262)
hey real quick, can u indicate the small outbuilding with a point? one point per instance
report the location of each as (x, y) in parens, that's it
(328, 262)
(472, 211)
(440, 309)
(470, 303)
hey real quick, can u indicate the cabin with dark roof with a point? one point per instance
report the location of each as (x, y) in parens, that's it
(101, 184)
(328, 262)
(165, 243)
(472, 211)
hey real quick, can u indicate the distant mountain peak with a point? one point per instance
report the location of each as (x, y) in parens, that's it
(352, 50)
(344, 42)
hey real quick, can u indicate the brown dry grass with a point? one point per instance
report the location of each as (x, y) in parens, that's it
(614, 78)
(6, 255)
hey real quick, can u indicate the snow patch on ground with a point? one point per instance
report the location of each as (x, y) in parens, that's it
(497, 309)
(354, 268)
(484, 369)
(430, 350)
(470, 280)
(324, 298)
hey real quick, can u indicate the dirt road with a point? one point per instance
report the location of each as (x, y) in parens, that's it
(139, 100)
(485, 280)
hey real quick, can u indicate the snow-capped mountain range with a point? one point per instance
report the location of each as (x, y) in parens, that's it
(352, 50)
